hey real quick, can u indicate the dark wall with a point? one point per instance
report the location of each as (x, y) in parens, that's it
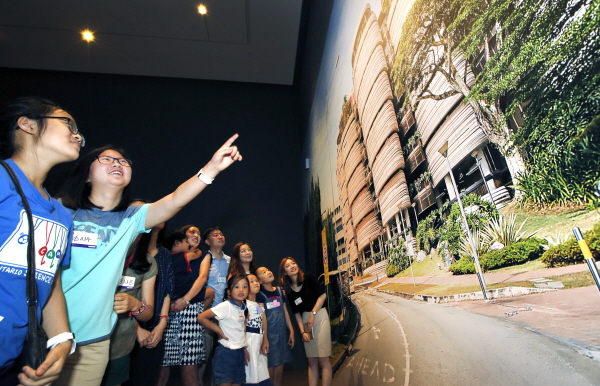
(171, 128)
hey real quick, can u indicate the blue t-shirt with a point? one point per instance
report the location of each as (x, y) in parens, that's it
(52, 228)
(217, 276)
(100, 243)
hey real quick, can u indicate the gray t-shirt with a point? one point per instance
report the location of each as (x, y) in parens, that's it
(123, 337)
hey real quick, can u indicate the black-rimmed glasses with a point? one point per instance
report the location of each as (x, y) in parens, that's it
(70, 124)
(108, 160)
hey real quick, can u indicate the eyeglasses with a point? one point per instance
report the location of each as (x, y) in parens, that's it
(70, 124)
(108, 160)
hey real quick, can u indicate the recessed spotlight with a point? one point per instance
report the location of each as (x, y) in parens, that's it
(202, 9)
(87, 35)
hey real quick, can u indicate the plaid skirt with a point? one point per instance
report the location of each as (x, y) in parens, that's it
(184, 337)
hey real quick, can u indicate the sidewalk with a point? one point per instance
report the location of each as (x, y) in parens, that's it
(570, 316)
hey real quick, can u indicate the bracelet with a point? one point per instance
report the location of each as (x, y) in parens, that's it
(204, 178)
(187, 301)
(164, 316)
(142, 309)
(61, 338)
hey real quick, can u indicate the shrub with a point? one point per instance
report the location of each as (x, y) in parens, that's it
(463, 266)
(513, 254)
(517, 253)
(453, 231)
(569, 253)
(397, 260)
(428, 230)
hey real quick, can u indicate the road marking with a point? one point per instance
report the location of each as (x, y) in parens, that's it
(407, 369)
(388, 373)
(376, 330)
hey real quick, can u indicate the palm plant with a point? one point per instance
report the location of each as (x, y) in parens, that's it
(480, 241)
(503, 229)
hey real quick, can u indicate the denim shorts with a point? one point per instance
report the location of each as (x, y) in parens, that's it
(228, 365)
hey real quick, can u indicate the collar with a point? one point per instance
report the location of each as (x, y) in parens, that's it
(243, 307)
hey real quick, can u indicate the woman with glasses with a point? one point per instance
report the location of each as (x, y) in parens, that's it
(97, 195)
(35, 135)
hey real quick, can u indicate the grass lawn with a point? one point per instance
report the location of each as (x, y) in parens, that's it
(548, 222)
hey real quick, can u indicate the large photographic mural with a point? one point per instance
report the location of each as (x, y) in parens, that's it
(504, 94)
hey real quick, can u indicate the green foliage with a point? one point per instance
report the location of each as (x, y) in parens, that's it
(513, 254)
(397, 260)
(569, 252)
(453, 231)
(503, 229)
(428, 230)
(479, 241)
(547, 63)
(464, 266)
(313, 224)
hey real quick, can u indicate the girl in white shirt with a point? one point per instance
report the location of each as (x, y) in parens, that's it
(231, 354)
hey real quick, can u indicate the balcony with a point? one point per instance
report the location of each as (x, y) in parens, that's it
(408, 120)
(415, 158)
(424, 199)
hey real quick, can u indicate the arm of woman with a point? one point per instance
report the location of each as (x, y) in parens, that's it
(152, 249)
(316, 308)
(168, 206)
(55, 322)
(264, 349)
(127, 303)
(304, 334)
(157, 332)
(205, 320)
(148, 294)
(288, 321)
(181, 303)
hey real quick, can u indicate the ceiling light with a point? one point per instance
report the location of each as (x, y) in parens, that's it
(202, 9)
(87, 35)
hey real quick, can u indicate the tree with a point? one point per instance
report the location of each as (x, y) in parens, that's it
(313, 224)
(429, 48)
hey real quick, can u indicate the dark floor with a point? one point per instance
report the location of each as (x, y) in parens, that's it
(290, 378)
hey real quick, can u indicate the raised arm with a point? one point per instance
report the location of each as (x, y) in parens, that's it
(168, 206)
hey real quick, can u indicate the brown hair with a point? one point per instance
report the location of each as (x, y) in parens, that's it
(284, 280)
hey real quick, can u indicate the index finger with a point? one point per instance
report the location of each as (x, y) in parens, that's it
(230, 140)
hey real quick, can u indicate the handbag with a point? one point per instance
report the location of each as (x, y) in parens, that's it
(34, 350)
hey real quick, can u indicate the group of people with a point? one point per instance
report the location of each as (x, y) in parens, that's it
(119, 302)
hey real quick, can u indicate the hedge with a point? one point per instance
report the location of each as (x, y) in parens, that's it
(513, 254)
(569, 253)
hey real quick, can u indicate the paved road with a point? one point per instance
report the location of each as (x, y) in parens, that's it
(411, 343)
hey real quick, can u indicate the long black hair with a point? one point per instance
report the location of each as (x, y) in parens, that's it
(31, 107)
(235, 264)
(75, 193)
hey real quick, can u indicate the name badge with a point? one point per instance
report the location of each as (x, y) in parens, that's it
(127, 282)
(274, 304)
(83, 239)
(221, 279)
(298, 301)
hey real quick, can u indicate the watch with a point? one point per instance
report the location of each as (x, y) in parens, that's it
(314, 312)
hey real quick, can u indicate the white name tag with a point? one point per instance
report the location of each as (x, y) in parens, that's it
(298, 301)
(84, 239)
(221, 279)
(127, 282)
